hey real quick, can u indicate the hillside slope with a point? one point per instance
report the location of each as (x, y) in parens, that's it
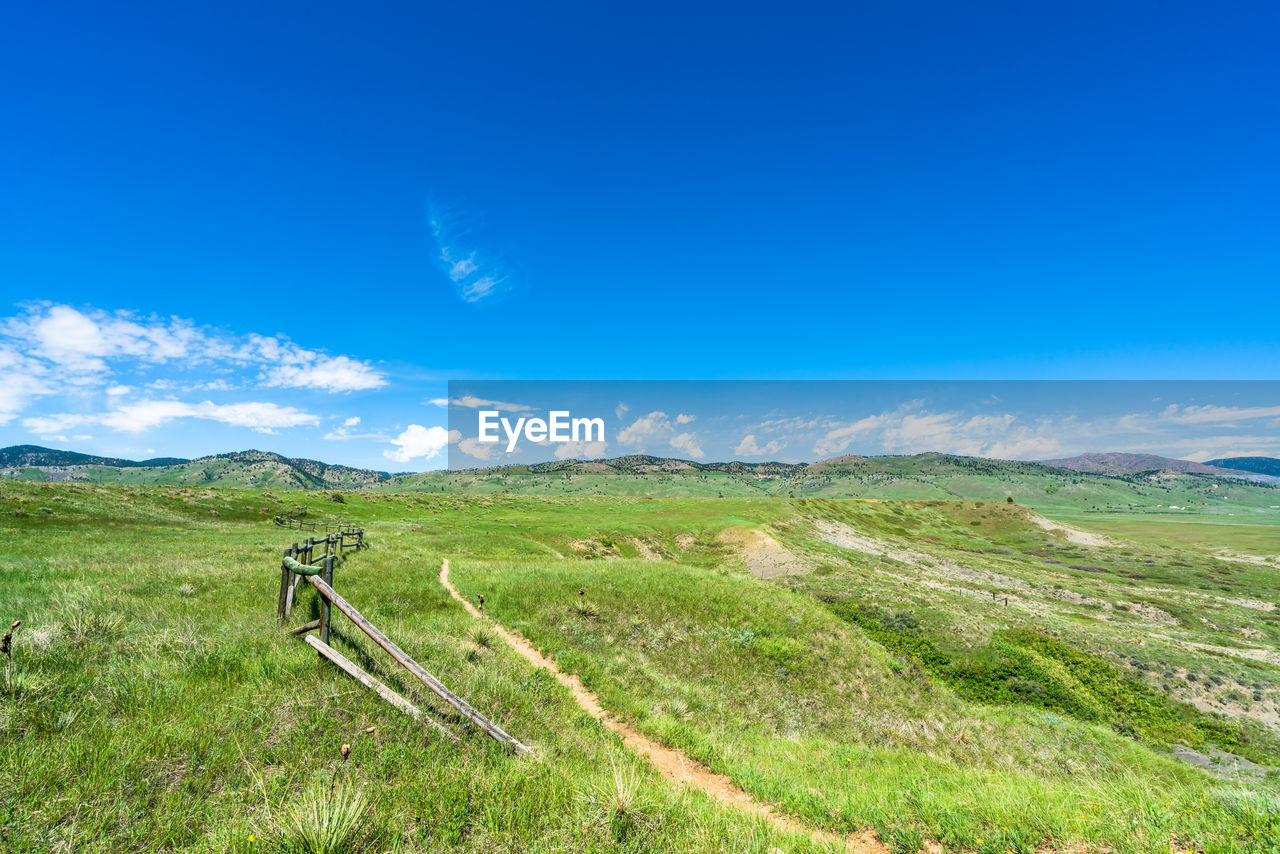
(1119, 464)
(1259, 465)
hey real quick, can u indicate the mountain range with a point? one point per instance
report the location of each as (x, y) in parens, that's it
(1089, 482)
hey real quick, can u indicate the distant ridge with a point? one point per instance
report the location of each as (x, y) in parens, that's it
(250, 468)
(1119, 464)
(20, 456)
(1258, 465)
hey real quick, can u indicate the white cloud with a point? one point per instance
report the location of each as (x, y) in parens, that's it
(837, 439)
(620, 410)
(55, 349)
(580, 450)
(473, 447)
(418, 441)
(327, 373)
(80, 343)
(470, 401)
(657, 427)
(146, 414)
(347, 431)
(1222, 415)
(688, 443)
(749, 447)
(23, 379)
(644, 428)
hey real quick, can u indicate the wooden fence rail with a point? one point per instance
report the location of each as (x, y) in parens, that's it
(314, 560)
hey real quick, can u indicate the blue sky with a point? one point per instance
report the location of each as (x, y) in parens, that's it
(399, 195)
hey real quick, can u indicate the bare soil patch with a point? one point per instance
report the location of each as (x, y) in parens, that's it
(764, 556)
(1073, 535)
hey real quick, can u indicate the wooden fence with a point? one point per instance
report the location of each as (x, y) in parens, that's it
(304, 560)
(294, 517)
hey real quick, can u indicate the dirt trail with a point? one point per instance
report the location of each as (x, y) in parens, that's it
(673, 764)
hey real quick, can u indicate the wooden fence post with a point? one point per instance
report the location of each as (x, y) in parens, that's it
(281, 615)
(325, 607)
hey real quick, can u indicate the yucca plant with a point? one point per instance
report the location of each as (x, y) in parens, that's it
(620, 803)
(324, 820)
(482, 636)
(585, 609)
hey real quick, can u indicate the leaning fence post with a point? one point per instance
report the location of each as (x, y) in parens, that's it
(325, 607)
(284, 586)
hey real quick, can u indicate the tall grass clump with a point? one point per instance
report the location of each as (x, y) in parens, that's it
(619, 804)
(324, 820)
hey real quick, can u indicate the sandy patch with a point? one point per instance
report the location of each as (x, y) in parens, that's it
(1270, 562)
(646, 551)
(1072, 535)
(764, 556)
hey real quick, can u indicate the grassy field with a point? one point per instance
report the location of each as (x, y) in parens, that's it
(152, 703)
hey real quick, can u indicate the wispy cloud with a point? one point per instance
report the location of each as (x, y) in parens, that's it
(475, 271)
(911, 429)
(470, 401)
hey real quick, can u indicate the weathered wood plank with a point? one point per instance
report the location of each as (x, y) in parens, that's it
(305, 627)
(495, 732)
(377, 687)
